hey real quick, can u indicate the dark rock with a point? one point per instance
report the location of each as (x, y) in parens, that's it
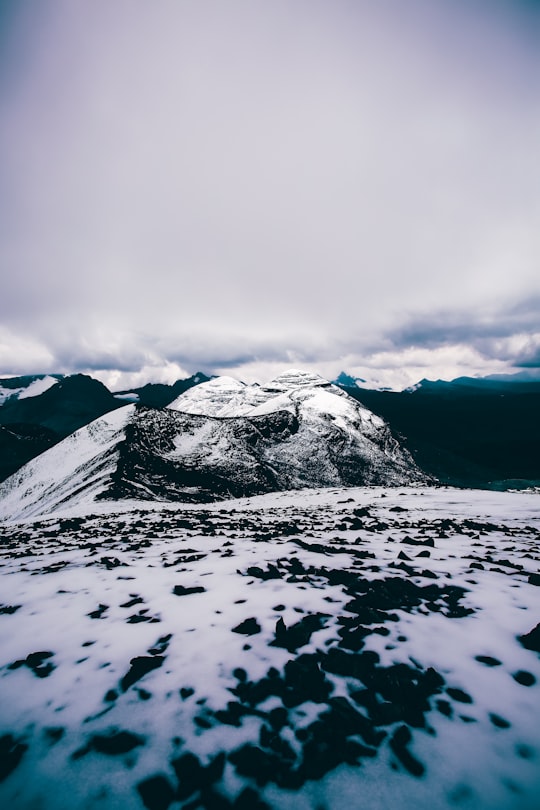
(97, 614)
(232, 715)
(398, 743)
(278, 718)
(35, 662)
(156, 792)
(412, 541)
(459, 695)
(304, 681)
(110, 562)
(161, 645)
(180, 590)
(252, 761)
(531, 641)
(249, 627)
(190, 774)
(240, 674)
(11, 753)
(137, 600)
(499, 721)
(140, 666)
(444, 707)
(296, 635)
(488, 660)
(115, 742)
(270, 573)
(524, 678)
(54, 733)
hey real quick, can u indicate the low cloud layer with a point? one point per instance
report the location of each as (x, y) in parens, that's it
(251, 185)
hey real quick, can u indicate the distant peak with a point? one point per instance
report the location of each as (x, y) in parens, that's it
(295, 378)
(347, 380)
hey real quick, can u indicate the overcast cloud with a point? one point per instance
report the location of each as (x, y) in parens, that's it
(247, 185)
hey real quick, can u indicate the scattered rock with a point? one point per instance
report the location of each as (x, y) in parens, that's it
(35, 662)
(115, 742)
(9, 609)
(488, 660)
(249, 627)
(524, 678)
(180, 590)
(531, 641)
(398, 743)
(156, 792)
(11, 753)
(98, 613)
(499, 721)
(459, 695)
(140, 666)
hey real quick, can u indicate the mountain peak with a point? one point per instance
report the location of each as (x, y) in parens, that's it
(227, 397)
(295, 378)
(347, 380)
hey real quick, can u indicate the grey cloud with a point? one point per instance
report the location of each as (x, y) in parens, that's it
(89, 358)
(530, 356)
(226, 184)
(474, 327)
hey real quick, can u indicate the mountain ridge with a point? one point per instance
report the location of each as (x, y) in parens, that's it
(324, 439)
(479, 432)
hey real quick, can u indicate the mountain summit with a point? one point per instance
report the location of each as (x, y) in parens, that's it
(225, 396)
(221, 439)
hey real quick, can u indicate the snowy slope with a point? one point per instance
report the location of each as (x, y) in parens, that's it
(75, 469)
(362, 648)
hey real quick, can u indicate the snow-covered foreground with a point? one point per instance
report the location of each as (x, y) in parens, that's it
(368, 648)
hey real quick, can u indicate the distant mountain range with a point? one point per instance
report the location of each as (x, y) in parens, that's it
(219, 439)
(466, 432)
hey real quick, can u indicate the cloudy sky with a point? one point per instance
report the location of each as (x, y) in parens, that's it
(244, 186)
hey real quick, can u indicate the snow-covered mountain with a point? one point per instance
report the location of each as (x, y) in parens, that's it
(220, 439)
(31, 385)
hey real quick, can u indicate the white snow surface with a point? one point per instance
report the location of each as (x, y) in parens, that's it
(93, 589)
(38, 387)
(9, 393)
